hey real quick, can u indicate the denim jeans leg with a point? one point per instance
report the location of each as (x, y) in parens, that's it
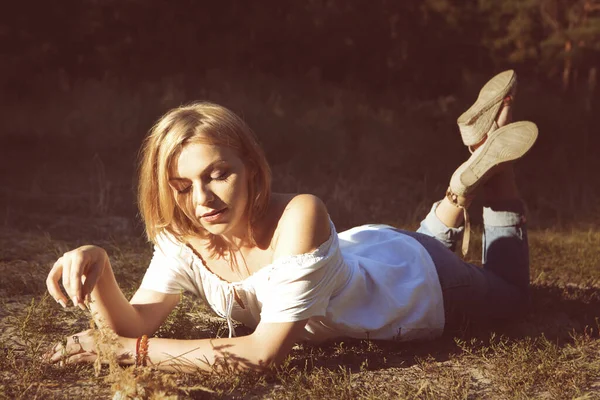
(499, 289)
(432, 226)
(505, 244)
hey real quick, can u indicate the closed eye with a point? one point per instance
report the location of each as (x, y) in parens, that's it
(219, 175)
(180, 187)
(183, 190)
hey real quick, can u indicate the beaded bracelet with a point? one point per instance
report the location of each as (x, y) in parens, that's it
(141, 351)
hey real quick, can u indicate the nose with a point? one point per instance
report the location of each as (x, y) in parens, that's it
(202, 195)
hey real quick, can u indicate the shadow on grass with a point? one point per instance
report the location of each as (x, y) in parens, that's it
(557, 314)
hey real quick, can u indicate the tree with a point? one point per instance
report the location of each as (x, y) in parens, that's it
(556, 38)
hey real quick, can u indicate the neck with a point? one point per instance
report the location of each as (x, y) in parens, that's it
(237, 241)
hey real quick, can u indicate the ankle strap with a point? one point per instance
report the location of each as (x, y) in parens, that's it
(467, 233)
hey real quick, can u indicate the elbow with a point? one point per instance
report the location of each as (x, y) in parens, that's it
(265, 362)
(272, 342)
(263, 356)
(255, 362)
(269, 360)
(269, 356)
(259, 361)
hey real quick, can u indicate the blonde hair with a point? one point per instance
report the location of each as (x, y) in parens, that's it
(198, 122)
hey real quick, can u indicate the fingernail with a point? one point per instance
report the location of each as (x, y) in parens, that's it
(62, 303)
(82, 306)
(75, 301)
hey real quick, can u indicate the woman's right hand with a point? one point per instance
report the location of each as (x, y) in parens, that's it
(80, 270)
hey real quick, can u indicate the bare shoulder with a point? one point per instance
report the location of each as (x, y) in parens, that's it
(303, 226)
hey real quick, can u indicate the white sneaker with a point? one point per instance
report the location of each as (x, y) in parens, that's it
(480, 118)
(505, 144)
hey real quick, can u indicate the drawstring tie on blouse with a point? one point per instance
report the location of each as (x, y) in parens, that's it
(229, 300)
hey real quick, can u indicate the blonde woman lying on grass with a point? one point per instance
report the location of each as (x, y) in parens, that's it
(275, 262)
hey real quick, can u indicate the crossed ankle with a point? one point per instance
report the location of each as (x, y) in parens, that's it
(458, 200)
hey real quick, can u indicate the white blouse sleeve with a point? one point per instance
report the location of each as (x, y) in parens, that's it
(167, 272)
(300, 287)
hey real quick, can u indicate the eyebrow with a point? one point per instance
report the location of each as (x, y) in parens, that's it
(208, 167)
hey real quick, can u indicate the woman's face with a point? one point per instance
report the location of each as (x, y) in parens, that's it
(213, 180)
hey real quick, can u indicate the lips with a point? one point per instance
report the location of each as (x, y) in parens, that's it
(213, 215)
(208, 214)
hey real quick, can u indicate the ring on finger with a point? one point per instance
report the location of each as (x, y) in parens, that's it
(76, 341)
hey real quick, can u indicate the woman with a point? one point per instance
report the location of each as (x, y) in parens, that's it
(275, 262)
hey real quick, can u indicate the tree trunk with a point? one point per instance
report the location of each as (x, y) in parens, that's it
(591, 88)
(566, 76)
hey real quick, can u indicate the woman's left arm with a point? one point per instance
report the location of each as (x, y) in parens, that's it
(267, 346)
(302, 228)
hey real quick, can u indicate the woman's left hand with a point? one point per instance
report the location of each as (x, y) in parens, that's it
(78, 348)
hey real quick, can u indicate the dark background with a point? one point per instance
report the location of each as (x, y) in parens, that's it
(355, 101)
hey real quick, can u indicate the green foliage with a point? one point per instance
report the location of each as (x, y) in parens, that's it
(548, 36)
(371, 43)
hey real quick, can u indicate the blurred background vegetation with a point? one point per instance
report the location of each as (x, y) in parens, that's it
(332, 88)
(419, 47)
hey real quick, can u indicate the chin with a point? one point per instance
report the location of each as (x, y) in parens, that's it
(221, 228)
(216, 229)
(226, 228)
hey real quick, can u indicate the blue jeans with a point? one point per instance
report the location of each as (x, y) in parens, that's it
(498, 290)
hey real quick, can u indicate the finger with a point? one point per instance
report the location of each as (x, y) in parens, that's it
(77, 268)
(48, 354)
(91, 277)
(60, 354)
(66, 276)
(57, 347)
(55, 357)
(56, 353)
(81, 358)
(52, 283)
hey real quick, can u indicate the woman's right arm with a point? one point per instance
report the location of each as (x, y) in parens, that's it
(87, 270)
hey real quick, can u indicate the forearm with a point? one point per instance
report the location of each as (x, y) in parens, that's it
(111, 308)
(240, 353)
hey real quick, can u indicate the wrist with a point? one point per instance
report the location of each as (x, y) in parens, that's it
(105, 278)
(126, 352)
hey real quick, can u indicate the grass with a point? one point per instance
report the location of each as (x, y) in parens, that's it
(363, 154)
(550, 353)
(526, 365)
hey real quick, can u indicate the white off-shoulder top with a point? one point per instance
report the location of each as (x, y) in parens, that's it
(370, 282)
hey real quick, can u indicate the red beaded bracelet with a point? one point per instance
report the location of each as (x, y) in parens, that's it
(141, 351)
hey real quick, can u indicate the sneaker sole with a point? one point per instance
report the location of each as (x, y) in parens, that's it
(477, 121)
(506, 144)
